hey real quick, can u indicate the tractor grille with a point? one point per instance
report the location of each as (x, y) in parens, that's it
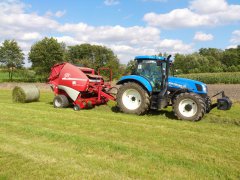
(199, 87)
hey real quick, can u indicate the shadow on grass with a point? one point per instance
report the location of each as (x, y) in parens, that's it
(168, 114)
(50, 103)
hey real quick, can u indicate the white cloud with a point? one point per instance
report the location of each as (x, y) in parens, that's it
(199, 13)
(235, 37)
(111, 2)
(174, 46)
(210, 6)
(70, 41)
(231, 46)
(200, 36)
(176, 19)
(57, 14)
(60, 13)
(12, 15)
(126, 42)
(135, 35)
(31, 36)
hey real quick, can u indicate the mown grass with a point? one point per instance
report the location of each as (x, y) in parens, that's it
(40, 142)
(215, 78)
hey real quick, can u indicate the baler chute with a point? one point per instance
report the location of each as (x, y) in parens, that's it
(79, 86)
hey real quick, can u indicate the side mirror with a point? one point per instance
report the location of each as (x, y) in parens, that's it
(168, 58)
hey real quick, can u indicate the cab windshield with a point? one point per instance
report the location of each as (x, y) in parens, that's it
(151, 71)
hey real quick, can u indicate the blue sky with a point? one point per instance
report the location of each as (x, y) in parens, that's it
(128, 27)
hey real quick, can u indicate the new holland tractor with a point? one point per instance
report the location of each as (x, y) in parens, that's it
(150, 87)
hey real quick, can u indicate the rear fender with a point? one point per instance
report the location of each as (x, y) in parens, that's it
(138, 79)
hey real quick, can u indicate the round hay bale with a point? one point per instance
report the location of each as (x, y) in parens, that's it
(25, 93)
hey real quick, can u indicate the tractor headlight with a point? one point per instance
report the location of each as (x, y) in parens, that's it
(204, 88)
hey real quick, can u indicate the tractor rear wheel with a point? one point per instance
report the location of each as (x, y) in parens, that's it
(60, 101)
(133, 99)
(189, 106)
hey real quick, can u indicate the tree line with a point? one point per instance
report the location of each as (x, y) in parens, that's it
(208, 60)
(48, 51)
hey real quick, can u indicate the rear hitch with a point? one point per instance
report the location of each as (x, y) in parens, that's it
(223, 103)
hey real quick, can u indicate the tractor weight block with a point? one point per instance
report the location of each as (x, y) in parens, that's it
(224, 103)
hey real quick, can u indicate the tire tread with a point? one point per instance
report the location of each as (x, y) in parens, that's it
(143, 108)
(202, 111)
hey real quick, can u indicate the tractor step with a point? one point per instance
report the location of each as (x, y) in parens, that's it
(154, 102)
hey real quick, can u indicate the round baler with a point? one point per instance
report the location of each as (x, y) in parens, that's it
(78, 86)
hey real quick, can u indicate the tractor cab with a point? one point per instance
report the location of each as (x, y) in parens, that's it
(154, 69)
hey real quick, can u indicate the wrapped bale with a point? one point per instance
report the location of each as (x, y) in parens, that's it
(25, 93)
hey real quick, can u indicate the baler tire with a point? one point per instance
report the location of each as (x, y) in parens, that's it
(143, 98)
(60, 101)
(198, 107)
(76, 107)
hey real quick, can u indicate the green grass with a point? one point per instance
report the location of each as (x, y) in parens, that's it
(21, 75)
(215, 78)
(3, 76)
(40, 142)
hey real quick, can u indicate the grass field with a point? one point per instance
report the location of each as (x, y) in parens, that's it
(40, 142)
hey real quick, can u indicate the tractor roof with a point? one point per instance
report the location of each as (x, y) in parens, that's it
(150, 58)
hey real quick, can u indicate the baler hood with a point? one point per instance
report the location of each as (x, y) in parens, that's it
(192, 85)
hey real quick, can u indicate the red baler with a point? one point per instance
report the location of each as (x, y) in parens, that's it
(79, 86)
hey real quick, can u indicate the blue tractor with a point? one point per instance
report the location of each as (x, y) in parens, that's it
(150, 87)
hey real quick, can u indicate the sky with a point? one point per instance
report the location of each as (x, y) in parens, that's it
(128, 27)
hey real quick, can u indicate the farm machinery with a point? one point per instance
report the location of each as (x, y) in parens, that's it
(79, 86)
(148, 87)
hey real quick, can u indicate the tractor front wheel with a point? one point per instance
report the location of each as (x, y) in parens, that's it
(60, 101)
(189, 106)
(133, 99)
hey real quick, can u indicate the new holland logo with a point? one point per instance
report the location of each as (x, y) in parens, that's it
(171, 84)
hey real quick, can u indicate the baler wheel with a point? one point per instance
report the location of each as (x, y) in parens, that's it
(189, 106)
(76, 107)
(133, 99)
(60, 101)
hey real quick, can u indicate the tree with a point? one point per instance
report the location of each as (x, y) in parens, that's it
(45, 53)
(214, 57)
(231, 57)
(11, 56)
(191, 63)
(95, 57)
(131, 65)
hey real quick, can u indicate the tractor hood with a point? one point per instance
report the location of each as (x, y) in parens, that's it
(192, 85)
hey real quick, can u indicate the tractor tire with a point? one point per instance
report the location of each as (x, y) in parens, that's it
(133, 99)
(60, 101)
(208, 104)
(189, 106)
